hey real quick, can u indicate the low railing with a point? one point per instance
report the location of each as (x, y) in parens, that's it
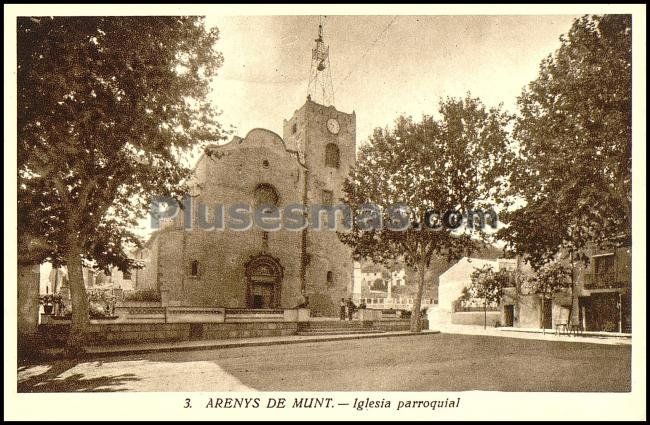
(467, 309)
(606, 280)
(462, 306)
(253, 315)
(183, 314)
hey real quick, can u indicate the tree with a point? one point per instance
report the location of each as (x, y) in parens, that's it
(107, 107)
(574, 131)
(488, 286)
(550, 279)
(452, 165)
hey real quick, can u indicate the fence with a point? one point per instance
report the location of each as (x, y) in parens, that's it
(463, 306)
(179, 314)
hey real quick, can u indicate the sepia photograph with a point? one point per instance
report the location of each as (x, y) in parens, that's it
(377, 212)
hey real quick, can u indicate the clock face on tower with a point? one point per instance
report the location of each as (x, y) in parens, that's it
(333, 126)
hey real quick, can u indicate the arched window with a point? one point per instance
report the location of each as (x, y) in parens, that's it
(265, 194)
(332, 156)
(330, 277)
(194, 268)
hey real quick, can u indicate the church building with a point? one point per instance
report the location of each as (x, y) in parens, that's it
(260, 269)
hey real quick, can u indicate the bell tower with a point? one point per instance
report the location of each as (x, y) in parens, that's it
(325, 140)
(320, 86)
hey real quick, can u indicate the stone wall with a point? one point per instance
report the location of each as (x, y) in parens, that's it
(400, 325)
(476, 318)
(131, 333)
(147, 277)
(226, 179)
(296, 169)
(325, 253)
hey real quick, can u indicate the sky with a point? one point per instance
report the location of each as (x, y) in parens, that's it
(382, 66)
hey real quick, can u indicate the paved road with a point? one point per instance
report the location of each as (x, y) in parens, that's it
(436, 362)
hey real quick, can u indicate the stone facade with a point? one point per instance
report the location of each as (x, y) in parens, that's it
(256, 268)
(130, 333)
(601, 302)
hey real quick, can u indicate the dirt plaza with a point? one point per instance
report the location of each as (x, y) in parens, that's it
(436, 362)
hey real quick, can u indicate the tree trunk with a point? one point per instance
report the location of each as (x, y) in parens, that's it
(571, 309)
(28, 309)
(416, 322)
(485, 314)
(542, 315)
(80, 319)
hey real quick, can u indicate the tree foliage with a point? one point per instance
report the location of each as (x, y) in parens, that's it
(488, 285)
(457, 163)
(107, 106)
(550, 279)
(573, 168)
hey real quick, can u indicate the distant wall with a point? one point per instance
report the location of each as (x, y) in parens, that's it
(528, 309)
(528, 312)
(400, 325)
(475, 318)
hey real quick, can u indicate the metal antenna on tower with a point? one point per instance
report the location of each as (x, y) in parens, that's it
(320, 87)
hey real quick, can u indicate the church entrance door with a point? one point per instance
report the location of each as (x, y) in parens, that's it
(264, 275)
(262, 295)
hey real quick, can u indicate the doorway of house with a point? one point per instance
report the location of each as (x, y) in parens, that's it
(509, 313)
(605, 311)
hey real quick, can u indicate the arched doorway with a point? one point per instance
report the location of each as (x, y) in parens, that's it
(264, 276)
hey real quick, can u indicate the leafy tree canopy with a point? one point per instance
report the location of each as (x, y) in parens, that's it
(107, 106)
(455, 164)
(573, 168)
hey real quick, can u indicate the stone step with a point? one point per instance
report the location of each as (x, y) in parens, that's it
(337, 330)
(329, 325)
(340, 332)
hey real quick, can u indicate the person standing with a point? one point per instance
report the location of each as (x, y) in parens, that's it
(351, 308)
(342, 307)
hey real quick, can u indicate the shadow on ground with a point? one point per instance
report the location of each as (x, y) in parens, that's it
(442, 362)
(50, 381)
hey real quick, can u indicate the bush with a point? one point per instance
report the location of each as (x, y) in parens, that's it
(143, 295)
(610, 326)
(96, 310)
